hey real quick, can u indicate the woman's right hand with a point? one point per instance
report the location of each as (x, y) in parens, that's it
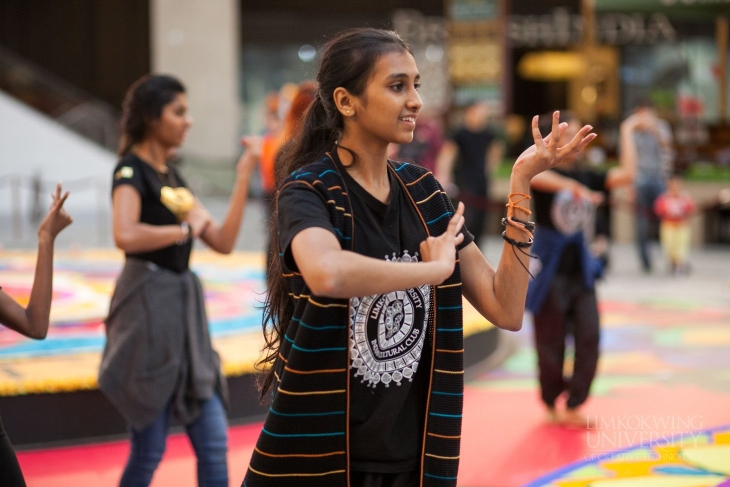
(442, 249)
(198, 218)
(56, 219)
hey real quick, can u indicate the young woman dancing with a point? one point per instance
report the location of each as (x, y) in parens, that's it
(158, 360)
(33, 320)
(364, 316)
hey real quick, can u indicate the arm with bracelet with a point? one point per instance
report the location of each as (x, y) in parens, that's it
(499, 294)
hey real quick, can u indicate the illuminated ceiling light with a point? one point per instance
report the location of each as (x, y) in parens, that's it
(551, 66)
(307, 53)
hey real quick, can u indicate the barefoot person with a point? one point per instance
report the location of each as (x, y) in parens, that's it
(364, 311)
(562, 297)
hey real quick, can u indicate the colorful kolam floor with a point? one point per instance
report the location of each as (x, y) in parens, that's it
(661, 400)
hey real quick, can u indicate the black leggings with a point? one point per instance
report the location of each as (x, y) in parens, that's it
(570, 308)
(10, 473)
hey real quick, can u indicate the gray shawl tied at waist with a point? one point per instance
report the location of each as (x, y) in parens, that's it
(158, 345)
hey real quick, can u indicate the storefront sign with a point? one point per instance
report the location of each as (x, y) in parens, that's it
(562, 29)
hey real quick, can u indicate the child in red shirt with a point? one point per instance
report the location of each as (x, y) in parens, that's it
(674, 208)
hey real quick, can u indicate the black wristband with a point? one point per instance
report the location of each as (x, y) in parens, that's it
(511, 241)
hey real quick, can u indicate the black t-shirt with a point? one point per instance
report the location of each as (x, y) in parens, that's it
(473, 147)
(565, 214)
(390, 349)
(148, 183)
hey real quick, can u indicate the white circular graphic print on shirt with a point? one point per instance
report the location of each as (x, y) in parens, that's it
(571, 215)
(387, 333)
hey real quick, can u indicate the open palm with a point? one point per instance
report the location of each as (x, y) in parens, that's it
(546, 153)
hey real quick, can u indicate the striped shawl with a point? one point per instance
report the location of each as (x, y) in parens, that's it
(305, 439)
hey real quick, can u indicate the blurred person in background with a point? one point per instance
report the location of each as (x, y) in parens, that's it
(478, 151)
(651, 138)
(33, 320)
(562, 296)
(270, 142)
(293, 119)
(675, 207)
(158, 361)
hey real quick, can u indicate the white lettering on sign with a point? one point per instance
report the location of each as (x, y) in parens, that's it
(561, 28)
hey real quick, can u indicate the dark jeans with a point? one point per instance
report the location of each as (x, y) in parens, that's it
(366, 479)
(208, 435)
(647, 192)
(10, 473)
(568, 307)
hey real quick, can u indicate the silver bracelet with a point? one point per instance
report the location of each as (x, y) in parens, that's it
(186, 233)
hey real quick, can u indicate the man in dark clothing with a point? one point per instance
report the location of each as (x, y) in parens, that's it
(478, 151)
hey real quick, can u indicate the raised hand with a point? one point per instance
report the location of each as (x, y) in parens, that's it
(56, 219)
(442, 249)
(253, 145)
(547, 153)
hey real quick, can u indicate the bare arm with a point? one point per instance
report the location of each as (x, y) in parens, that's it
(628, 156)
(495, 153)
(33, 322)
(500, 295)
(132, 236)
(222, 238)
(330, 271)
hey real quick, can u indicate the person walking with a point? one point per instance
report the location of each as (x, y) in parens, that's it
(479, 151)
(651, 138)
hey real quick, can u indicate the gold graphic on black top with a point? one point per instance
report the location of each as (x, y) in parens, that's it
(178, 200)
(125, 172)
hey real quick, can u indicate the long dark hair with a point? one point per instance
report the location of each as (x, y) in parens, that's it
(143, 104)
(346, 61)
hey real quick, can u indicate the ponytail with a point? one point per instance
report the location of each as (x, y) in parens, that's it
(347, 61)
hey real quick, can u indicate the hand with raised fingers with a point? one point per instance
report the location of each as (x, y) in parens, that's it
(547, 153)
(253, 145)
(442, 249)
(56, 219)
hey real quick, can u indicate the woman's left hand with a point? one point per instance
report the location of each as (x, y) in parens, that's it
(546, 153)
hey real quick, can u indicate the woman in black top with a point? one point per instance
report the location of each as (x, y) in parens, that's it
(32, 321)
(363, 315)
(158, 360)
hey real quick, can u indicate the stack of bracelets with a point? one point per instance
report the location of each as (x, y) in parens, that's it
(523, 225)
